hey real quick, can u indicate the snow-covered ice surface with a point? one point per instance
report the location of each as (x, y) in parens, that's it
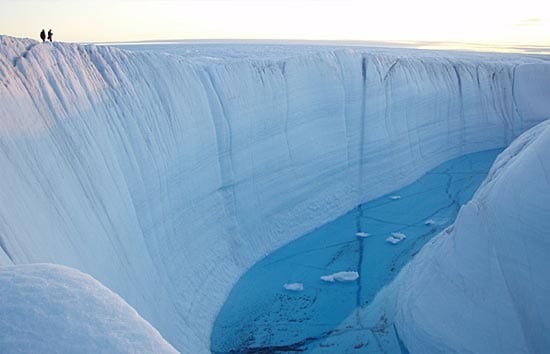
(166, 174)
(259, 316)
(48, 308)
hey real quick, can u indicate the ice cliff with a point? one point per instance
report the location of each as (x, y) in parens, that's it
(480, 286)
(166, 178)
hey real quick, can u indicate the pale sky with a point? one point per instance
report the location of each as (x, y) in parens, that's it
(525, 22)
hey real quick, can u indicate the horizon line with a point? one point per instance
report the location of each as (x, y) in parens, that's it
(510, 47)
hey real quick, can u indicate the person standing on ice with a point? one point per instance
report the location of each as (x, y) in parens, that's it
(43, 35)
(50, 34)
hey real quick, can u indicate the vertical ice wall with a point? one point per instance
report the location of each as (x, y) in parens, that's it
(481, 287)
(166, 179)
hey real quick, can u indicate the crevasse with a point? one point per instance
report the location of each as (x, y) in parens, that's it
(166, 178)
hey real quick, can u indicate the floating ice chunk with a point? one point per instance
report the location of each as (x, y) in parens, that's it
(362, 234)
(396, 237)
(294, 286)
(430, 222)
(340, 277)
(392, 240)
(395, 197)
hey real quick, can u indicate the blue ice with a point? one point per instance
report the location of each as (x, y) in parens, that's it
(281, 303)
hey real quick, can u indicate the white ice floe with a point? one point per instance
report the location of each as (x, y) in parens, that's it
(395, 197)
(362, 234)
(430, 222)
(396, 237)
(340, 277)
(392, 240)
(294, 286)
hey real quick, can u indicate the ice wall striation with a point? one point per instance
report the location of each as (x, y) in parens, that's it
(166, 178)
(480, 287)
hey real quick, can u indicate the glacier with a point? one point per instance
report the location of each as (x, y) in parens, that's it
(165, 176)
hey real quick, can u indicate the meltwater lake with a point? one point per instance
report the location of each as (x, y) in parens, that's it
(282, 304)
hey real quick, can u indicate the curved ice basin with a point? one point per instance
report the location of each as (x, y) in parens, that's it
(281, 303)
(166, 177)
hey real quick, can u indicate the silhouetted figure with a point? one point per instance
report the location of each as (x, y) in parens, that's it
(43, 36)
(50, 35)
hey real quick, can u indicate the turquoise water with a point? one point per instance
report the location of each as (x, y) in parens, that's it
(261, 316)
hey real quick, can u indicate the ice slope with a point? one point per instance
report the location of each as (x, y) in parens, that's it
(481, 286)
(48, 308)
(166, 177)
